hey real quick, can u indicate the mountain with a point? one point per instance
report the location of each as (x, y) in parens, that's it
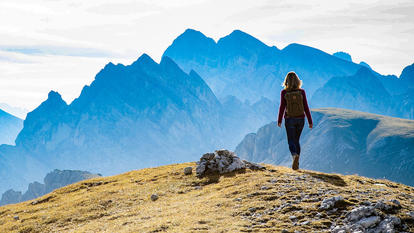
(362, 91)
(242, 66)
(343, 55)
(366, 91)
(130, 117)
(277, 199)
(10, 126)
(53, 180)
(343, 141)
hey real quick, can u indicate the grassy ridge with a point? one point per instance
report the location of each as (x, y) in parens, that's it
(235, 202)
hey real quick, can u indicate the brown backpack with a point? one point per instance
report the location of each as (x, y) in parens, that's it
(294, 103)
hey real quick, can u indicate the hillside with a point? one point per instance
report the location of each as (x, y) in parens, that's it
(10, 127)
(271, 200)
(343, 141)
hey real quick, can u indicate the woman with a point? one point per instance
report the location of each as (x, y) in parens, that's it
(294, 106)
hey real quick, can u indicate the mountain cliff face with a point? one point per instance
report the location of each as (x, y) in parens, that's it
(53, 180)
(10, 126)
(130, 117)
(366, 91)
(242, 66)
(342, 141)
(362, 91)
(277, 199)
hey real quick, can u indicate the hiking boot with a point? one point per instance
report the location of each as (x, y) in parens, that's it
(295, 163)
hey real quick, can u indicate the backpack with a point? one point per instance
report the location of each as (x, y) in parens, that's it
(294, 103)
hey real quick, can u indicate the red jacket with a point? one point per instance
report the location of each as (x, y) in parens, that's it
(282, 107)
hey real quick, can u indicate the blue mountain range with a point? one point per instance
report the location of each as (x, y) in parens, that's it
(202, 96)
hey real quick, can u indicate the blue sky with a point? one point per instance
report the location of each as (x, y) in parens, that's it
(61, 45)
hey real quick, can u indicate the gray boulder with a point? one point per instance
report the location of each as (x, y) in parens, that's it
(221, 161)
(188, 171)
(329, 203)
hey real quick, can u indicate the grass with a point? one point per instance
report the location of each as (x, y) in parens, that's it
(188, 204)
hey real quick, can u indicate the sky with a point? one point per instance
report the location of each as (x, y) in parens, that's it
(62, 44)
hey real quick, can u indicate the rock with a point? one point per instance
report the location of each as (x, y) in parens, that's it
(252, 209)
(285, 231)
(329, 203)
(388, 224)
(360, 212)
(264, 188)
(188, 170)
(369, 222)
(16, 217)
(154, 197)
(293, 218)
(332, 211)
(305, 223)
(388, 206)
(237, 199)
(273, 181)
(221, 161)
(208, 156)
(253, 166)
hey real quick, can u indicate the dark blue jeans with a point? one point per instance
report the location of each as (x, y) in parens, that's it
(294, 127)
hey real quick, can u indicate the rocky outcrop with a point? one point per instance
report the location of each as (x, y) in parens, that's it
(374, 218)
(223, 161)
(53, 180)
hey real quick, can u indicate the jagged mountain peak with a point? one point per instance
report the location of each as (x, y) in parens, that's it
(189, 44)
(408, 72)
(54, 96)
(343, 55)
(144, 60)
(190, 33)
(241, 40)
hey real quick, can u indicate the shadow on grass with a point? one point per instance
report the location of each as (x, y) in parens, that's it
(213, 178)
(332, 179)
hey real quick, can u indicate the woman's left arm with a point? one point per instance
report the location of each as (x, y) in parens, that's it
(306, 108)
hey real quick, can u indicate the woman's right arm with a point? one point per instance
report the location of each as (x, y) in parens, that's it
(281, 108)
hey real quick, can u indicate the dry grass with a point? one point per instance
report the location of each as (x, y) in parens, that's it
(188, 204)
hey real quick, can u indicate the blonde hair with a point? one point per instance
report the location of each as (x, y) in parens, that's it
(292, 81)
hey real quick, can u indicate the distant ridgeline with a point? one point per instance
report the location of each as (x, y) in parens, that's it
(52, 181)
(342, 141)
(149, 114)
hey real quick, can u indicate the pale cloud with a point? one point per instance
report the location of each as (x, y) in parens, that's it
(62, 44)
